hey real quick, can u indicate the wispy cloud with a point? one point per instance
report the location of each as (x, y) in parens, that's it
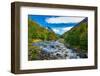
(57, 20)
(61, 30)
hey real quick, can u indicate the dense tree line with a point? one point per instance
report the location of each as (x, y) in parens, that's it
(77, 37)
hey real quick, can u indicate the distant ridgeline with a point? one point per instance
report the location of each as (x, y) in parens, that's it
(35, 31)
(77, 37)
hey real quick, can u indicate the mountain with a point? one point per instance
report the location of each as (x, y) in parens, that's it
(62, 25)
(35, 31)
(83, 21)
(77, 37)
(59, 28)
(49, 29)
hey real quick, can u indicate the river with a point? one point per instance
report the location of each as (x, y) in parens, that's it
(55, 50)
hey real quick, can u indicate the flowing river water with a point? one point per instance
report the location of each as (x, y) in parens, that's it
(56, 50)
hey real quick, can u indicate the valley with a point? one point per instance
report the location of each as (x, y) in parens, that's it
(45, 44)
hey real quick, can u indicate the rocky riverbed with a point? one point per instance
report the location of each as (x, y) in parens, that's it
(56, 50)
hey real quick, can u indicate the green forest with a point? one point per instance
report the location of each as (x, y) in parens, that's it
(77, 37)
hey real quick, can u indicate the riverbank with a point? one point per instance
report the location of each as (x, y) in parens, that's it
(49, 50)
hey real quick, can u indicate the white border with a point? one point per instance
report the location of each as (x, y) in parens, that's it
(25, 64)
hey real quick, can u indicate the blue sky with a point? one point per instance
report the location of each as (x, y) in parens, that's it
(59, 24)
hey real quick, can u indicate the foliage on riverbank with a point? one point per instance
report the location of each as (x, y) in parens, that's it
(77, 37)
(33, 53)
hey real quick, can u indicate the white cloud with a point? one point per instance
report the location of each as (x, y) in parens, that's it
(61, 30)
(57, 31)
(67, 28)
(64, 19)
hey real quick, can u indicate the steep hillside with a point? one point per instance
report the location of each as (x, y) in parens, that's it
(77, 37)
(35, 31)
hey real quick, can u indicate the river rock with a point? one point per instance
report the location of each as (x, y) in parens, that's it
(56, 50)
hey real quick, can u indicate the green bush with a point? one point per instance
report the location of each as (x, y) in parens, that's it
(33, 53)
(77, 37)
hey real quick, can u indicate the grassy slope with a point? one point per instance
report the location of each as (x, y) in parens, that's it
(35, 31)
(77, 37)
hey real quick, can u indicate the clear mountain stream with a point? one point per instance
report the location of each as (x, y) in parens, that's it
(56, 50)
